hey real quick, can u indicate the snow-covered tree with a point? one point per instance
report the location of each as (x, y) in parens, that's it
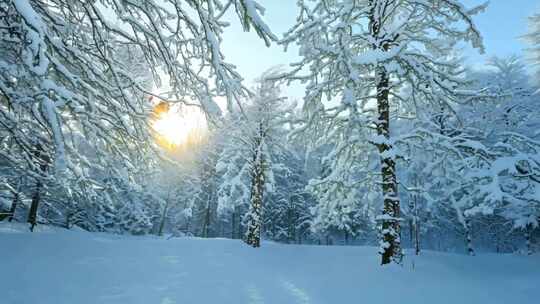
(73, 102)
(205, 203)
(376, 56)
(287, 208)
(509, 118)
(248, 161)
(534, 38)
(344, 188)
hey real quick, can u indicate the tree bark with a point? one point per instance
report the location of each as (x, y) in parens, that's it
(254, 227)
(291, 223)
(468, 237)
(32, 214)
(14, 204)
(206, 221)
(417, 237)
(208, 200)
(233, 223)
(36, 198)
(390, 233)
(416, 227)
(528, 233)
(69, 217)
(163, 216)
(391, 243)
(253, 236)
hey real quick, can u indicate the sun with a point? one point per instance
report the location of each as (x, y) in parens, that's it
(178, 125)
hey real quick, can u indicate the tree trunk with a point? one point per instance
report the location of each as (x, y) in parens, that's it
(253, 236)
(468, 237)
(416, 226)
(417, 237)
(291, 238)
(188, 225)
(528, 233)
(36, 198)
(69, 214)
(207, 205)
(32, 214)
(14, 204)
(163, 216)
(254, 226)
(206, 221)
(411, 231)
(233, 223)
(390, 242)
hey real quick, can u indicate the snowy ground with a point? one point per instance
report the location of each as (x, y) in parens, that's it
(56, 267)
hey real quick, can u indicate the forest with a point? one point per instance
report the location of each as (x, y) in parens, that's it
(125, 117)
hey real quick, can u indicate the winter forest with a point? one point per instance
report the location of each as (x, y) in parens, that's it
(385, 140)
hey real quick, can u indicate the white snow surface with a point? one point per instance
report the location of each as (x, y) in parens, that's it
(55, 266)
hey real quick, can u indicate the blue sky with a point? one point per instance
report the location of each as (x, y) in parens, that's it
(501, 25)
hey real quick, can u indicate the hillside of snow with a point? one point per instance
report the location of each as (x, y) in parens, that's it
(54, 266)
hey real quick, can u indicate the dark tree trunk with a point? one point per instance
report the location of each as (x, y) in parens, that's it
(14, 204)
(468, 238)
(411, 231)
(188, 225)
(43, 160)
(233, 224)
(417, 237)
(206, 221)
(390, 233)
(528, 233)
(32, 214)
(291, 223)
(391, 244)
(415, 225)
(68, 220)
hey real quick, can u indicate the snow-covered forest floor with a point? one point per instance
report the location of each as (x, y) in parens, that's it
(55, 266)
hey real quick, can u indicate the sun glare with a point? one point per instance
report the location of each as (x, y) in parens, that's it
(177, 126)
